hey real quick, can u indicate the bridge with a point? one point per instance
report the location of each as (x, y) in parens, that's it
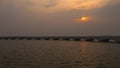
(112, 39)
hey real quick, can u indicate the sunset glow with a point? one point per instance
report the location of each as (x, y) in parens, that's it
(59, 5)
(59, 17)
(84, 19)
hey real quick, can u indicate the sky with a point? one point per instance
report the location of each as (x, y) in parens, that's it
(59, 17)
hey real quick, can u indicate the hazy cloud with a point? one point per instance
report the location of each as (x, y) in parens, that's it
(56, 17)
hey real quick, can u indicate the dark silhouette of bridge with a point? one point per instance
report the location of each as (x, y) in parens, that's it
(112, 39)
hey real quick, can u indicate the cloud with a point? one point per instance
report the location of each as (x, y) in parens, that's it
(67, 5)
(56, 17)
(57, 5)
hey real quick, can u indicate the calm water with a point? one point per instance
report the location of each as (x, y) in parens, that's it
(59, 54)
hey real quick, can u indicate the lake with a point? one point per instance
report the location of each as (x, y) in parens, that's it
(58, 54)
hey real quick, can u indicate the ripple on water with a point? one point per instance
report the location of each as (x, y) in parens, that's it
(101, 66)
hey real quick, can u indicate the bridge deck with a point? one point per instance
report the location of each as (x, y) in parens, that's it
(75, 38)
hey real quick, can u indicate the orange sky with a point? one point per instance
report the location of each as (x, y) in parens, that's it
(60, 5)
(59, 17)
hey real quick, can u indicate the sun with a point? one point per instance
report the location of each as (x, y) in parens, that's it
(84, 19)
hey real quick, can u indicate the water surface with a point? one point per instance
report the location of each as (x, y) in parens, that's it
(58, 54)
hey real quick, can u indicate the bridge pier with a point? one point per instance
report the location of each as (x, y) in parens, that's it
(76, 39)
(37, 38)
(104, 40)
(66, 39)
(89, 39)
(56, 38)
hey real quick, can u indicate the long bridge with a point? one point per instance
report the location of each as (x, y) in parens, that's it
(112, 39)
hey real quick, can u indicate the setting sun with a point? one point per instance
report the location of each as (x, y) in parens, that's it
(84, 19)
